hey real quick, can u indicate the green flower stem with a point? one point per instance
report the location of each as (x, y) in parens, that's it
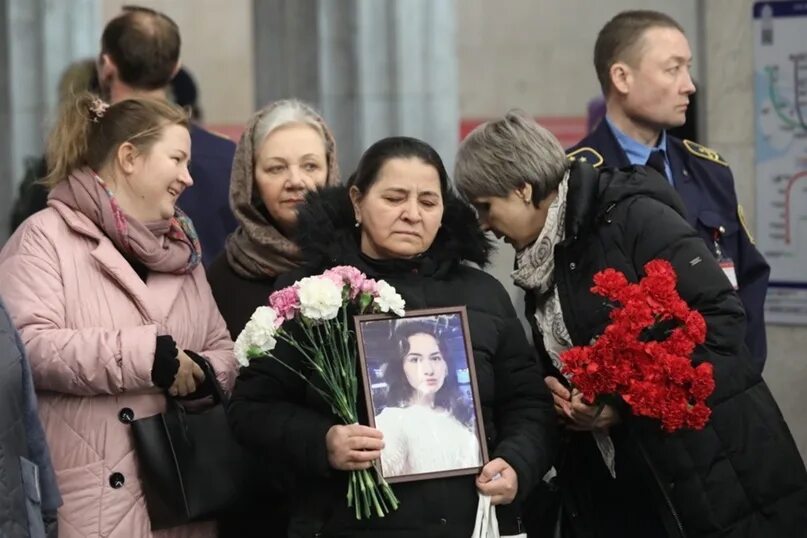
(361, 497)
(374, 493)
(346, 354)
(365, 508)
(332, 398)
(386, 490)
(339, 360)
(329, 350)
(353, 486)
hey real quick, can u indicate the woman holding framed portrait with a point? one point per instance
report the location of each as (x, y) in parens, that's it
(398, 221)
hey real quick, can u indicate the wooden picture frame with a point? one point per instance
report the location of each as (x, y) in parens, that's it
(421, 391)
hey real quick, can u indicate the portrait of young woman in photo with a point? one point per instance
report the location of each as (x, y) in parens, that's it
(427, 425)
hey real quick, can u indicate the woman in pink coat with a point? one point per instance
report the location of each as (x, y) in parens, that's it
(107, 292)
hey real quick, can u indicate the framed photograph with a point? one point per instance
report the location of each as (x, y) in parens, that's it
(421, 392)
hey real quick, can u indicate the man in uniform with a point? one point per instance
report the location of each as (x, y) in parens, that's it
(139, 57)
(642, 60)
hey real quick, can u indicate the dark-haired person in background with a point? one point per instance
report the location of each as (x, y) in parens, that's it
(32, 195)
(185, 93)
(426, 424)
(139, 57)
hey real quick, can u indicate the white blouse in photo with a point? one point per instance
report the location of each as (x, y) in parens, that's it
(420, 439)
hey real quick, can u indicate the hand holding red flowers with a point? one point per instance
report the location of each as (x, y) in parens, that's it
(655, 378)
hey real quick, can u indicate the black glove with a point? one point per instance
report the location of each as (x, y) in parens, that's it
(166, 364)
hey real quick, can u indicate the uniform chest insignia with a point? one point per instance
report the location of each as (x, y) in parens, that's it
(586, 155)
(699, 150)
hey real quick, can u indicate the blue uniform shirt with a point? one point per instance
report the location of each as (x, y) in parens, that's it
(638, 153)
(705, 183)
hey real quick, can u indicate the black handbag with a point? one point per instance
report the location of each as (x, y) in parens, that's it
(191, 466)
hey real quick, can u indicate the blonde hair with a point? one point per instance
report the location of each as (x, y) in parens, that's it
(88, 132)
(77, 77)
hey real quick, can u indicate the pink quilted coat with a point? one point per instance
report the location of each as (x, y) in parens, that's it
(89, 324)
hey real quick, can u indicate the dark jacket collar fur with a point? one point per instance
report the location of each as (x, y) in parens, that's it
(327, 234)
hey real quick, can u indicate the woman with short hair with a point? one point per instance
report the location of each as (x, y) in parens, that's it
(567, 221)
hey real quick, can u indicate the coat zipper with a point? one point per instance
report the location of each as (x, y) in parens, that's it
(667, 499)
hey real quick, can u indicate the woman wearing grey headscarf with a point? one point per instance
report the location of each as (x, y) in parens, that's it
(285, 151)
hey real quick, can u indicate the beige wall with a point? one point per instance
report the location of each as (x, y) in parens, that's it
(216, 48)
(537, 54)
(510, 51)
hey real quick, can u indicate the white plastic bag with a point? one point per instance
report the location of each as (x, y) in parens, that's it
(486, 526)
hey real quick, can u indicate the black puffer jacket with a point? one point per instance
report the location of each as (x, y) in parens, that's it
(741, 476)
(276, 411)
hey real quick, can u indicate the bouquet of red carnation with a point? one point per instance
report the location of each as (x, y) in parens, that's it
(655, 377)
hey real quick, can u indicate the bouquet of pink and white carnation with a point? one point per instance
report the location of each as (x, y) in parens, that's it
(319, 307)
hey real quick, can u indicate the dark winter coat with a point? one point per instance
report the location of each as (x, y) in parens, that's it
(742, 475)
(32, 195)
(276, 411)
(263, 502)
(29, 495)
(237, 297)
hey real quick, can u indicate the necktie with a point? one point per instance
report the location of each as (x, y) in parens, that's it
(656, 161)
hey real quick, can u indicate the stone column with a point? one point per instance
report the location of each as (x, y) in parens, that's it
(39, 38)
(374, 69)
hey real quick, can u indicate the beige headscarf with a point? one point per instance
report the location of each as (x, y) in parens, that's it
(258, 249)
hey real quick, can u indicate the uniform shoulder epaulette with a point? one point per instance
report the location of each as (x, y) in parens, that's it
(699, 150)
(586, 155)
(744, 223)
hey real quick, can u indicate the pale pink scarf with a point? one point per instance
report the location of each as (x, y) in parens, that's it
(164, 246)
